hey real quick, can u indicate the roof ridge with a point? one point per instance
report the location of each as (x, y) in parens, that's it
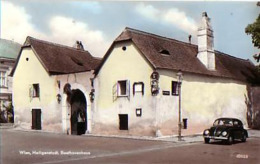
(10, 41)
(175, 40)
(159, 36)
(58, 44)
(237, 58)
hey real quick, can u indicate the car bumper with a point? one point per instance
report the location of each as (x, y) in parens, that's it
(216, 138)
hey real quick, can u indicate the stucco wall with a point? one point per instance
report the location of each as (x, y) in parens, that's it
(123, 65)
(30, 71)
(55, 116)
(203, 100)
(79, 81)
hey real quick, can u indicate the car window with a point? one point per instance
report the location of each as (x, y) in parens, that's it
(215, 123)
(223, 123)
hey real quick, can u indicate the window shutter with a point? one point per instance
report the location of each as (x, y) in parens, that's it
(39, 93)
(30, 92)
(115, 91)
(134, 89)
(128, 89)
(142, 88)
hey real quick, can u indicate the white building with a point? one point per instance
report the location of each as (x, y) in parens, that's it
(8, 54)
(51, 87)
(137, 87)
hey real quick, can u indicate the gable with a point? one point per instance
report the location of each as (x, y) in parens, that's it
(59, 59)
(124, 58)
(29, 63)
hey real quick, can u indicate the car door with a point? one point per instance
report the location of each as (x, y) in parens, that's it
(237, 130)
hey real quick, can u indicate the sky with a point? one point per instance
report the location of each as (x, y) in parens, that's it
(98, 23)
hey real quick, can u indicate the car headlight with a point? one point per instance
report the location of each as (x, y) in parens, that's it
(224, 133)
(206, 132)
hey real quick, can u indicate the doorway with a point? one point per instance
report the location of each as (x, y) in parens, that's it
(123, 122)
(78, 118)
(36, 119)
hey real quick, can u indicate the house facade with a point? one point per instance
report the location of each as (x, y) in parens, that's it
(8, 54)
(51, 87)
(137, 90)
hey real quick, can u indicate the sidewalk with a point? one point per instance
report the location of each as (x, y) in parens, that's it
(253, 133)
(174, 138)
(6, 125)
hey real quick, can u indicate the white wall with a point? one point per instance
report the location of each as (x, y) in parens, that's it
(204, 98)
(123, 65)
(28, 73)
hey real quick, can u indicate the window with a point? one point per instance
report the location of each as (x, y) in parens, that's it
(3, 79)
(138, 112)
(121, 89)
(138, 88)
(92, 82)
(175, 89)
(123, 121)
(35, 91)
(124, 48)
(164, 52)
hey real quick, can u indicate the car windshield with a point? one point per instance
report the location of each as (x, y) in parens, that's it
(223, 122)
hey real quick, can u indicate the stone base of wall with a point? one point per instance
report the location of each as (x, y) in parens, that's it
(55, 128)
(106, 129)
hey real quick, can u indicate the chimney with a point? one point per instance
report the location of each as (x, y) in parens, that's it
(79, 45)
(190, 39)
(206, 43)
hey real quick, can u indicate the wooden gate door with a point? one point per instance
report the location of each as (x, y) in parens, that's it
(36, 119)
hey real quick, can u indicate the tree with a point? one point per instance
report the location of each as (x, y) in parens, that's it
(254, 30)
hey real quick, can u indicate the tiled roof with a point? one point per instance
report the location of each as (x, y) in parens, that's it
(183, 56)
(60, 59)
(9, 49)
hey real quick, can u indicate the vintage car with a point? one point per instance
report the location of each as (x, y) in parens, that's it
(226, 129)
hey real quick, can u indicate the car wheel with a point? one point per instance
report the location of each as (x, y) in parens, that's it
(230, 140)
(243, 138)
(206, 140)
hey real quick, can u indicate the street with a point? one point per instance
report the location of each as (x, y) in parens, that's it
(46, 148)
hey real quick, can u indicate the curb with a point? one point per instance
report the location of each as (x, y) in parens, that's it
(172, 139)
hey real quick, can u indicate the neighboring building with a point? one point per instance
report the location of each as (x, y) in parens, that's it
(8, 53)
(137, 89)
(51, 87)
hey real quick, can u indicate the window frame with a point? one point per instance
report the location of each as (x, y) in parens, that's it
(3, 79)
(116, 89)
(119, 88)
(36, 90)
(142, 88)
(175, 88)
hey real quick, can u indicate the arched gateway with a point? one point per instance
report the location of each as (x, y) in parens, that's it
(78, 118)
(78, 110)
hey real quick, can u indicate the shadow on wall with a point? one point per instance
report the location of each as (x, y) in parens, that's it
(253, 107)
(253, 104)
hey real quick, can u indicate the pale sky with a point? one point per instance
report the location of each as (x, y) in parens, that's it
(98, 23)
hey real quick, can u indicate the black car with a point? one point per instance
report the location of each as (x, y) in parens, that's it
(226, 129)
